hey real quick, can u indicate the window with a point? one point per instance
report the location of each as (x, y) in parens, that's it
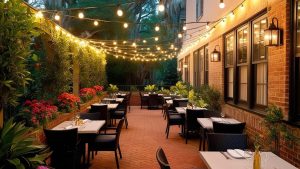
(199, 9)
(229, 69)
(246, 65)
(259, 60)
(186, 68)
(201, 54)
(206, 59)
(196, 69)
(242, 55)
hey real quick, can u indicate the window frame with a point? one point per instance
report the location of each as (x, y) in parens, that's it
(227, 67)
(250, 104)
(199, 9)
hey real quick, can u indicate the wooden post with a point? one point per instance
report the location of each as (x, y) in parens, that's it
(76, 80)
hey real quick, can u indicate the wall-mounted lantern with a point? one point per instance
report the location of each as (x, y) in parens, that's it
(185, 66)
(215, 55)
(273, 35)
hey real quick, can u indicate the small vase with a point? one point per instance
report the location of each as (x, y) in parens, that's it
(256, 159)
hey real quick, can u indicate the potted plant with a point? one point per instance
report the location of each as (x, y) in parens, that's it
(68, 102)
(150, 88)
(18, 149)
(99, 90)
(212, 97)
(112, 90)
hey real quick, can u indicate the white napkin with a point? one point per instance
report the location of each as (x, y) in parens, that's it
(217, 119)
(85, 120)
(69, 127)
(238, 153)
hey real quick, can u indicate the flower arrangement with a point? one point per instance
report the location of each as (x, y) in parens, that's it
(99, 89)
(67, 102)
(150, 88)
(39, 112)
(86, 94)
(112, 89)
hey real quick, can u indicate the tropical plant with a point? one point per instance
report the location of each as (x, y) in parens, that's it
(68, 102)
(150, 88)
(180, 88)
(112, 89)
(87, 94)
(17, 30)
(164, 92)
(18, 149)
(211, 96)
(38, 112)
(201, 103)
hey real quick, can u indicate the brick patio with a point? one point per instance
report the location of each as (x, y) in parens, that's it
(142, 138)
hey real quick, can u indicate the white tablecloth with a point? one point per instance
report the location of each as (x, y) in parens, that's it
(89, 127)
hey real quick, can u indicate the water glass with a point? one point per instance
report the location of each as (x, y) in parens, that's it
(264, 160)
(249, 160)
(222, 114)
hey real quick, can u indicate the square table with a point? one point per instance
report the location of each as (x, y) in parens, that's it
(169, 102)
(146, 95)
(119, 100)
(109, 106)
(216, 160)
(89, 127)
(207, 125)
(182, 110)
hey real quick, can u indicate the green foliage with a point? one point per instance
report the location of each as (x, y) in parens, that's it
(164, 92)
(17, 30)
(180, 88)
(150, 88)
(201, 103)
(212, 97)
(112, 89)
(18, 150)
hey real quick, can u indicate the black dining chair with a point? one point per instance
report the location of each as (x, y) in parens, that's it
(162, 159)
(144, 100)
(174, 119)
(66, 151)
(121, 112)
(153, 101)
(102, 113)
(233, 128)
(108, 142)
(191, 123)
(224, 141)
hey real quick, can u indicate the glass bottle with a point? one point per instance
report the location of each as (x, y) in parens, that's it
(256, 159)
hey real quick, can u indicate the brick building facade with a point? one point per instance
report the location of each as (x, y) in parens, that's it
(249, 75)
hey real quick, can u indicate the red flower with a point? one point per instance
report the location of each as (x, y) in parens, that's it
(66, 100)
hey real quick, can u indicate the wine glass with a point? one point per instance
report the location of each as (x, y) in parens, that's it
(222, 114)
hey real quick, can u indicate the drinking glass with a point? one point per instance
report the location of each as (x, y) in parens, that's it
(264, 160)
(222, 114)
(249, 160)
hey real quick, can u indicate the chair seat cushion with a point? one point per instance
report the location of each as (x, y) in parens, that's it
(103, 142)
(118, 114)
(176, 118)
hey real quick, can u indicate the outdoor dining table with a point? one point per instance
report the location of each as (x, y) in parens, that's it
(207, 125)
(147, 95)
(119, 100)
(182, 110)
(109, 106)
(87, 131)
(216, 160)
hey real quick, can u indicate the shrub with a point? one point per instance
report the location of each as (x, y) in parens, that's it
(86, 94)
(150, 88)
(99, 89)
(112, 88)
(212, 97)
(67, 102)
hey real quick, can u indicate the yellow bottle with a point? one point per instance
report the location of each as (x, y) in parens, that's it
(256, 159)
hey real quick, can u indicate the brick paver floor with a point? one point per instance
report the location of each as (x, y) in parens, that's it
(145, 133)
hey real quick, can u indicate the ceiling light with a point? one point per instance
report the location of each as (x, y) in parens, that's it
(221, 4)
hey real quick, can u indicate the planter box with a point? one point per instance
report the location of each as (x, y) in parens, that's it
(39, 133)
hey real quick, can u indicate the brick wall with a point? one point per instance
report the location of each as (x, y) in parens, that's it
(278, 70)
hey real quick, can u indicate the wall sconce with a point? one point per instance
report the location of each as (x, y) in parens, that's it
(215, 55)
(273, 35)
(185, 66)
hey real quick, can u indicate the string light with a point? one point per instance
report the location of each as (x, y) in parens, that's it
(232, 14)
(57, 17)
(96, 23)
(207, 26)
(242, 6)
(179, 35)
(221, 4)
(125, 25)
(134, 44)
(119, 11)
(115, 43)
(161, 6)
(39, 14)
(184, 28)
(156, 39)
(144, 41)
(124, 42)
(80, 15)
(156, 28)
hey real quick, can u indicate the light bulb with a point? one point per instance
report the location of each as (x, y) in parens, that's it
(39, 14)
(207, 27)
(184, 28)
(115, 43)
(134, 44)
(80, 15)
(222, 4)
(179, 35)
(96, 23)
(156, 39)
(125, 25)
(144, 41)
(161, 7)
(156, 28)
(57, 17)
(119, 12)
(124, 42)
